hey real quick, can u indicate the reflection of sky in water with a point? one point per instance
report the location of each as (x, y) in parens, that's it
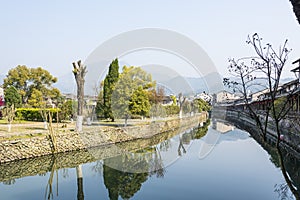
(237, 168)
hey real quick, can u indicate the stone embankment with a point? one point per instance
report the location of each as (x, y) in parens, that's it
(290, 137)
(35, 145)
(10, 171)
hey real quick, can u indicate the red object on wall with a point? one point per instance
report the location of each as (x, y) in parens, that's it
(2, 101)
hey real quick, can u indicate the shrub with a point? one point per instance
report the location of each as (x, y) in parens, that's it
(172, 110)
(34, 114)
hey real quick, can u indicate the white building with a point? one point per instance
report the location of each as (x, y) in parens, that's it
(225, 97)
(204, 97)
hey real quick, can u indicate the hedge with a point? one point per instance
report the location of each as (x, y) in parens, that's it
(34, 114)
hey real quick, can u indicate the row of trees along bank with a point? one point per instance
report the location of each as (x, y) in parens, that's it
(133, 94)
(29, 93)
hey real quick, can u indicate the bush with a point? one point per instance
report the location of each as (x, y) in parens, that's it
(172, 110)
(34, 114)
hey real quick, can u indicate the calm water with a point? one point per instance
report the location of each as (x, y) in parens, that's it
(219, 163)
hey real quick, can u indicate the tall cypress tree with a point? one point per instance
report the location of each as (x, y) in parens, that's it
(109, 84)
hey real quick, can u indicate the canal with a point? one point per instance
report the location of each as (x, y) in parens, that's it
(216, 161)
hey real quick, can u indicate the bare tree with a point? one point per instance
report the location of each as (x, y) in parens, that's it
(267, 65)
(9, 113)
(181, 101)
(79, 71)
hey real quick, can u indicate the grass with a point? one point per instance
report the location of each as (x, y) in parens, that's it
(24, 136)
(4, 121)
(20, 128)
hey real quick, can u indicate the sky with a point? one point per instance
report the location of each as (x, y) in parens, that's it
(53, 34)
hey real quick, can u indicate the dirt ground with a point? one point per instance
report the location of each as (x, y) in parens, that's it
(25, 128)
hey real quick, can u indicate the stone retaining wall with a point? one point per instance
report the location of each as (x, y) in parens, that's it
(38, 145)
(290, 137)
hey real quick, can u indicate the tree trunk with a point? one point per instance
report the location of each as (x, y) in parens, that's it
(9, 127)
(79, 123)
(80, 194)
(80, 96)
(79, 72)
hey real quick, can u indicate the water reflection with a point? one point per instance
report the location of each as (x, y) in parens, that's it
(289, 163)
(290, 169)
(124, 184)
(124, 167)
(122, 173)
(221, 131)
(80, 194)
(157, 156)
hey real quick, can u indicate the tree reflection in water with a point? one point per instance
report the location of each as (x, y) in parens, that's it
(289, 166)
(124, 175)
(193, 134)
(283, 189)
(285, 159)
(53, 171)
(80, 194)
(122, 184)
(49, 187)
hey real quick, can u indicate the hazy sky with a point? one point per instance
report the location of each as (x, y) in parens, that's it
(53, 34)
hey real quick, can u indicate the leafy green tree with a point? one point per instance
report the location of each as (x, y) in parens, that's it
(108, 87)
(174, 100)
(41, 80)
(172, 109)
(36, 99)
(67, 109)
(28, 80)
(12, 97)
(139, 103)
(201, 105)
(130, 80)
(19, 78)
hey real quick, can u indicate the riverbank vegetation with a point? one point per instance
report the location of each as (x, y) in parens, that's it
(128, 94)
(133, 94)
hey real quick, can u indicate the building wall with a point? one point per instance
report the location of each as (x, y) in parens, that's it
(224, 96)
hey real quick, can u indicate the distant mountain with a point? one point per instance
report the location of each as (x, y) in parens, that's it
(257, 85)
(173, 82)
(210, 83)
